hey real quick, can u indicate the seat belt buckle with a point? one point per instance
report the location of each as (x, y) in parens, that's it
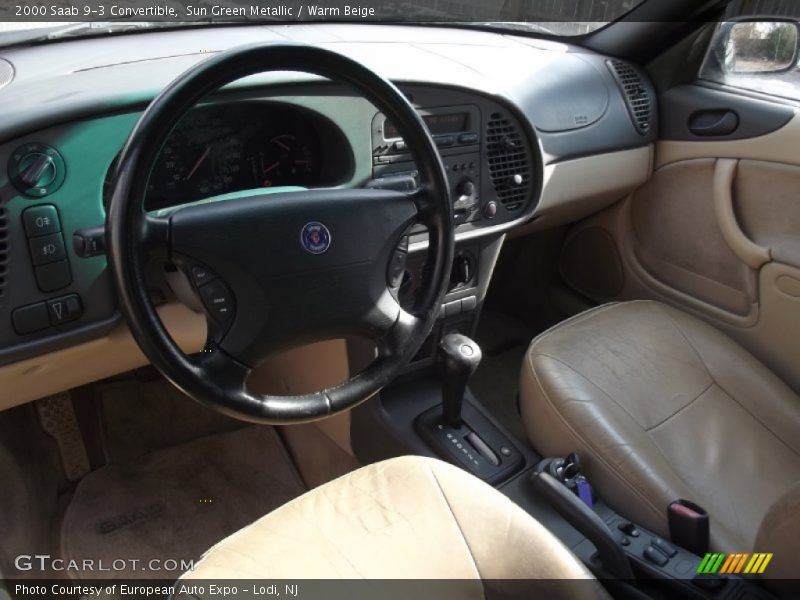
(688, 526)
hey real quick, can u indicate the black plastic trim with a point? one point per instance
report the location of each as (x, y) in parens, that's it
(756, 117)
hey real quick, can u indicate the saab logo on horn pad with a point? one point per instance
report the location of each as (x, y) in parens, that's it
(315, 237)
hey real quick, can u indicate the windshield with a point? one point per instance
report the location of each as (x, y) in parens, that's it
(61, 18)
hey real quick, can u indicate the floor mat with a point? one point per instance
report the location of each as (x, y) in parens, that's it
(130, 429)
(495, 384)
(177, 502)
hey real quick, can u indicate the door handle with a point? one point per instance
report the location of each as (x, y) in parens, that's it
(713, 122)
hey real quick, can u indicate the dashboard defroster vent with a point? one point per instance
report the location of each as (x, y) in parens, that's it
(637, 94)
(4, 253)
(509, 162)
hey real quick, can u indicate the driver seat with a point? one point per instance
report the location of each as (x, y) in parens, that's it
(404, 518)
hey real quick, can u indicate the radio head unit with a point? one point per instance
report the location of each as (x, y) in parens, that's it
(455, 131)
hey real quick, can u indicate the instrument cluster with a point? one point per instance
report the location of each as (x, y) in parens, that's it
(222, 148)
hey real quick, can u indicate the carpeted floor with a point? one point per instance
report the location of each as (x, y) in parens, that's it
(495, 384)
(177, 502)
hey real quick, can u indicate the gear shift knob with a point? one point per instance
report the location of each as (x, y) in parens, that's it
(459, 356)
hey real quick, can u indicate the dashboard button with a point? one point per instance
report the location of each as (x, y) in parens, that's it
(452, 309)
(202, 275)
(468, 138)
(218, 300)
(64, 310)
(28, 319)
(41, 220)
(53, 276)
(443, 141)
(664, 546)
(47, 249)
(655, 556)
(397, 268)
(628, 528)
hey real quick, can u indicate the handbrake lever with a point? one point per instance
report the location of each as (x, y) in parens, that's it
(586, 521)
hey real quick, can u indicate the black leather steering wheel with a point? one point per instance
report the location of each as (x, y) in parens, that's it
(297, 266)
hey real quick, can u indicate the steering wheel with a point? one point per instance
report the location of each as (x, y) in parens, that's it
(280, 269)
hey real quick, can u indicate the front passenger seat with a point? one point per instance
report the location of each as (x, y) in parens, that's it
(662, 406)
(405, 518)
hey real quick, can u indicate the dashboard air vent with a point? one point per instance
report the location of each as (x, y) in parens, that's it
(4, 254)
(637, 94)
(509, 163)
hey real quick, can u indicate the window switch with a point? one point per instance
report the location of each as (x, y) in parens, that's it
(628, 528)
(665, 547)
(655, 556)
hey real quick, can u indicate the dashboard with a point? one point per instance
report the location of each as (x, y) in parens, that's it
(516, 121)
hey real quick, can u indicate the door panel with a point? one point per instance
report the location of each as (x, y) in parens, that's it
(677, 239)
(716, 232)
(767, 205)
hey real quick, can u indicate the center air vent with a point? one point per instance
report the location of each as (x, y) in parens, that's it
(4, 242)
(637, 94)
(509, 163)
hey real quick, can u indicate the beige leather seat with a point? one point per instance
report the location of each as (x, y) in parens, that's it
(662, 406)
(405, 518)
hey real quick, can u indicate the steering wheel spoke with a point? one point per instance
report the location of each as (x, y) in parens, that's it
(154, 236)
(425, 205)
(222, 370)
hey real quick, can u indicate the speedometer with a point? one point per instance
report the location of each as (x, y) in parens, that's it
(202, 157)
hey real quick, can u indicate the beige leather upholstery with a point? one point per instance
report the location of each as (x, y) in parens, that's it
(405, 518)
(662, 406)
(780, 534)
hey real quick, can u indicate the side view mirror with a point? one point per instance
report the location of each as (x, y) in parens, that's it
(759, 47)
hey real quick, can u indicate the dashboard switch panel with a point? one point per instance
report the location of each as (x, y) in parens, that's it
(36, 170)
(47, 249)
(65, 309)
(53, 276)
(30, 318)
(41, 220)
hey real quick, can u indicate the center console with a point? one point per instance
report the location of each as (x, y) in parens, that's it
(435, 414)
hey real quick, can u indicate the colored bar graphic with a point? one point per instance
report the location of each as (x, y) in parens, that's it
(729, 562)
(739, 562)
(763, 565)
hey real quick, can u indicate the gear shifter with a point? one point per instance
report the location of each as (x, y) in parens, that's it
(459, 430)
(459, 356)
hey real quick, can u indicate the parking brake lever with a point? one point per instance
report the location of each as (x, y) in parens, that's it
(586, 521)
